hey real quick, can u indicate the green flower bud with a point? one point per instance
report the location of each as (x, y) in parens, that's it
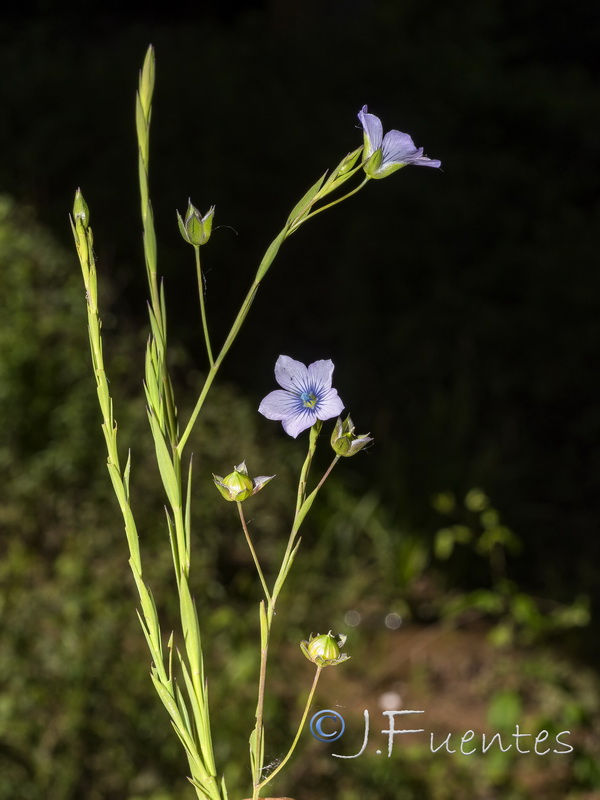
(237, 486)
(81, 210)
(323, 649)
(372, 167)
(344, 441)
(349, 162)
(196, 229)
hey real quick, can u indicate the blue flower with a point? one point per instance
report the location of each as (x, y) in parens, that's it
(306, 395)
(386, 154)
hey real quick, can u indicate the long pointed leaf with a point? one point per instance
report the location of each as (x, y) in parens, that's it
(302, 207)
(165, 465)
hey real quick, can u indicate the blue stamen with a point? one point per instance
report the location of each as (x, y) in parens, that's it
(309, 400)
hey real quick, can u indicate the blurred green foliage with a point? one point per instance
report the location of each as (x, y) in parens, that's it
(518, 615)
(73, 665)
(474, 290)
(78, 717)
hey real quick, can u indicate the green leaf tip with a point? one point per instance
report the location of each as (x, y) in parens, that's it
(147, 75)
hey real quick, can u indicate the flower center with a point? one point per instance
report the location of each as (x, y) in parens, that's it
(309, 400)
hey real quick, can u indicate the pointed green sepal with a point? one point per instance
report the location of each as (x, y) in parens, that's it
(81, 212)
(196, 229)
(324, 650)
(344, 441)
(237, 486)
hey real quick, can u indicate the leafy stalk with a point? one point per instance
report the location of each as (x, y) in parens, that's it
(299, 214)
(267, 613)
(161, 673)
(162, 414)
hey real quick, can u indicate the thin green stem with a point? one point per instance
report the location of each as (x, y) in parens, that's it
(200, 278)
(303, 505)
(266, 634)
(260, 703)
(263, 268)
(253, 551)
(326, 474)
(199, 403)
(312, 446)
(266, 621)
(329, 205)
(296, 738)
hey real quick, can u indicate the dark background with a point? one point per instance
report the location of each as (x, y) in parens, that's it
(459, 305)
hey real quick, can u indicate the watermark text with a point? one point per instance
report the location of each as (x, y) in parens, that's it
(329, 726)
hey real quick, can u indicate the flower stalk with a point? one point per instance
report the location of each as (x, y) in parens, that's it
(201, 292)
(253, 552)
(289, 753)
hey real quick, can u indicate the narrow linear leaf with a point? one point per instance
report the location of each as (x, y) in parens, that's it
(201, 717)
(302, 207)
(169, 702)
(165, 465)
(288, 565)
(264, 626)
(305, 508)
(126, 475)
(210, 793)
(117, 482)
(224, 789)
(143, 177)
(150, 241)
(270, 255)
(102, 390)
(153, 653)
(147, 76)
(191, 629)
(347, 165)
(253, 743)
(133, 540)
(188, 512)
(163, 307)
(157, 334)
(193, 756)
(140, 119)
(149, 612)
(206, 733)
(181, 703)
(173, 542)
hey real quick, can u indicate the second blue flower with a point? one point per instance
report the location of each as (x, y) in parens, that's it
(306, 395)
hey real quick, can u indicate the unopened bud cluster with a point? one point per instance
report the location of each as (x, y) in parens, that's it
(196, 229)
(237, 486)
(344, 441)
(324, 649)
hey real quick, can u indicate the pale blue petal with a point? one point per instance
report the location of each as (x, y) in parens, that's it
(398, 148)
(319, 376)
(278, 404)
(427, 162)
(330, 405)
(291, 374)
(296, 423)
(373, 130)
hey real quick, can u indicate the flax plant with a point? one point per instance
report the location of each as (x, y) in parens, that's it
(305, 401)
